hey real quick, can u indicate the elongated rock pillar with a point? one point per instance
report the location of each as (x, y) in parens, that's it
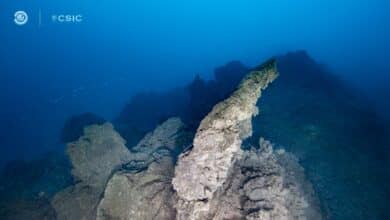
(201, 173)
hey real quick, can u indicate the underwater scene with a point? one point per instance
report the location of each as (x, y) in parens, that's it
(195, 110)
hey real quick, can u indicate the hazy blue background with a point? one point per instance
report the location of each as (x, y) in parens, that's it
(51, 72)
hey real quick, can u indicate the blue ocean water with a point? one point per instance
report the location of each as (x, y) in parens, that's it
(136, 63)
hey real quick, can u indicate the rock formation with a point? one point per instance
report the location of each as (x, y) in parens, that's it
(216, 179)
(142, 195)
(96, 154)
(201, 173)
(142, 188)
(145, 172)
(94, 157)
(266, 185)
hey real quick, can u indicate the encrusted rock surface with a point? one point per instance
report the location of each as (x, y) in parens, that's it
(100, 156)
(164, 140)
(263, 185)
(273, 186)
(165, 135)
(215, 180)
(142, 189)
(201, 173)
(96, 154)
(94, 157)
(143, 195)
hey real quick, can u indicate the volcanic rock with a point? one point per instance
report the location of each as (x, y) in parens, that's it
(94, 157)
(142, 189)
(201, 173)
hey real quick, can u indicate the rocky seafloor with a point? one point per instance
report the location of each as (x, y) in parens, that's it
(212, 160)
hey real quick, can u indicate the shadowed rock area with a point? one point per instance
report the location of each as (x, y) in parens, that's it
(266, 184)
(191, 102)
(340, 140)
(74, 126)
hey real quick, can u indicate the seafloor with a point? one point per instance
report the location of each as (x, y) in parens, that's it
(340, 142)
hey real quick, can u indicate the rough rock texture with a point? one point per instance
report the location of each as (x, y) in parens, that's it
(165, 135)
(100, 156)
(143, 195)
(167, 139)
(264, 184)
(96, 154)
(142, 188)
(201, 173)
(215, 180)
(94, 157)
(269, 185)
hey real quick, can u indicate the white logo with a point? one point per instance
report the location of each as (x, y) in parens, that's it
(21, 18)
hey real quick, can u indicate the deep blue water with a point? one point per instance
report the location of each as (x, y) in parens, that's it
(50, 72)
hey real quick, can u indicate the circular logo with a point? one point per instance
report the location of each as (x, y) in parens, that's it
(21, 17)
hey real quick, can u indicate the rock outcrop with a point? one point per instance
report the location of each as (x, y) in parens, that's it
(142, 188)
(201, 173)
(102, 165)
(216, 179)
(94, 157)
(143, 195)
(266, 184)
(96, 154)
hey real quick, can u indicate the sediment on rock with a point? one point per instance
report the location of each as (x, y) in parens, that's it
(201, 173)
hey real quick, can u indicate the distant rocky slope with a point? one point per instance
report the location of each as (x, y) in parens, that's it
(341, 142)
(191, 102)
